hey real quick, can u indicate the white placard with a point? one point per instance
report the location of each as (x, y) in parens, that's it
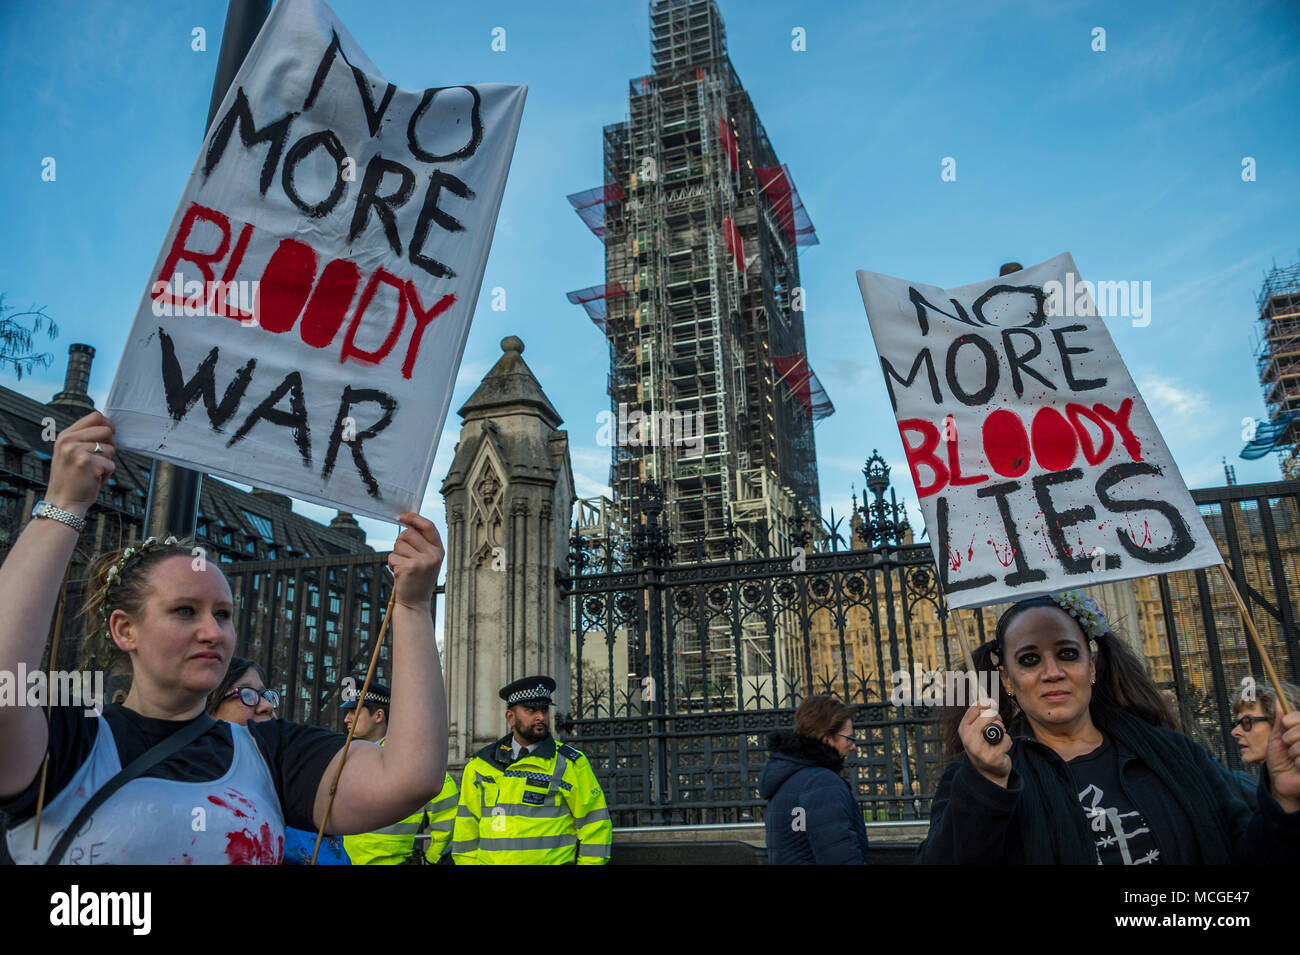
(1035, 459)
(304, 322)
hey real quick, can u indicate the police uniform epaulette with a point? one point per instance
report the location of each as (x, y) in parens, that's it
(489, 752)
(571, 754)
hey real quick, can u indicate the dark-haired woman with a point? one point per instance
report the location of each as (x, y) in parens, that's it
(1090, 770)
(242, 697)
(812, 816)
(170, 615)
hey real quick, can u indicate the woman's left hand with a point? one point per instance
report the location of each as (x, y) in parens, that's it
(1283, 760)
(416, 561)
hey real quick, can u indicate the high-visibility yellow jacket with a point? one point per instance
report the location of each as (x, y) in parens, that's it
(393, 844)
(546, 808)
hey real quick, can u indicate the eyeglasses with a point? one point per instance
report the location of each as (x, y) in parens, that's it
(250, 697)
(847, 737)
(1248, 722)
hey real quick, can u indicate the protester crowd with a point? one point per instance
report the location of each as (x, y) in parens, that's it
(194, 766)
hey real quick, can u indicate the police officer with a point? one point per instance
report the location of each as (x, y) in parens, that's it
(395, 844)
(529, 799)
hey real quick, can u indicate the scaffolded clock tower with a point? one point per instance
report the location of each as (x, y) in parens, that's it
(701, 302)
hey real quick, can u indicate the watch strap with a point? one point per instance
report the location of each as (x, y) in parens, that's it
(48, 510)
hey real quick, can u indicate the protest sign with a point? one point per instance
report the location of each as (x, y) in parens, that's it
(1036, 461)
(303, 324)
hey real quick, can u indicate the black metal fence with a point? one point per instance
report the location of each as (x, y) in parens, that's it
(682, 668)
(683, 665)
(311, 622)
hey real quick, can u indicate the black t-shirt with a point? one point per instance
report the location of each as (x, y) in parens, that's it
(1121, 833)
(296, 754)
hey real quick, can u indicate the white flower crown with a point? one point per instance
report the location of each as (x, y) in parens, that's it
(1085, 610)
(114, 575)
(1079, 606)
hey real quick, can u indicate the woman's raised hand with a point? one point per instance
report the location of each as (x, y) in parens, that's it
(77, 469)
(416, 561)
(992, 760)
(1283, 758)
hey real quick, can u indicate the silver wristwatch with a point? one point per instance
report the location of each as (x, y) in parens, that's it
(46, 509)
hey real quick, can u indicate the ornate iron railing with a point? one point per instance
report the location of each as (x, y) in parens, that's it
(682, 667)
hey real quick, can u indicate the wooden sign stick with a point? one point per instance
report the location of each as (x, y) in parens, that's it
(1259, 644)
(370, 671)
(49, 701)
(992, 732)
(961, 638)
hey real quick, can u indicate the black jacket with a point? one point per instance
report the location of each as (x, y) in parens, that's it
(976, 822)
(1248, 784)
(812, 817)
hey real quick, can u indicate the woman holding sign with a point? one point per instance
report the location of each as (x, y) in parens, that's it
(1090, 770)
(194, 790)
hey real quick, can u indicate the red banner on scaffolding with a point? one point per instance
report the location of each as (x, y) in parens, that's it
(593, 299)
(798, 376)
(590, 206)
(779, 188)
(734, 244)
(728, 141)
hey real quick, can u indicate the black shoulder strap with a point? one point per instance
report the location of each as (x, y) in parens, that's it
(146, 760)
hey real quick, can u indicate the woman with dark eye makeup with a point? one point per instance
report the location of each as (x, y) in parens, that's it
(1090, 769)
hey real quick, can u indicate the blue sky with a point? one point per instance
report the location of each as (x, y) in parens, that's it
(1131, 159)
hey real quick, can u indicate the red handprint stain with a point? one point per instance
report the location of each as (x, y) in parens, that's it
(239, 814)
(245, 848)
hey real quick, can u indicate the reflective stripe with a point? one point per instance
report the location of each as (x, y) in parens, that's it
(442, 805)
(596, 815)
(399, 829)
(558, 773)
(443, 825)
(522, 845)
(536, 812)
(461, 847)
(516, 809)
(592, 849)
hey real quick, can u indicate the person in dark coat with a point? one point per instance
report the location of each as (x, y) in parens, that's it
(812, 815)
(1091, 770)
